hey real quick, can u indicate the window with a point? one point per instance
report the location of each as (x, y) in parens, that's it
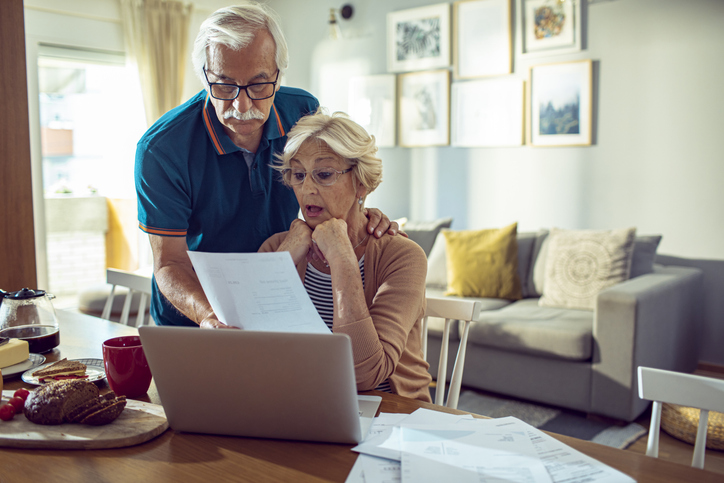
(91, 117)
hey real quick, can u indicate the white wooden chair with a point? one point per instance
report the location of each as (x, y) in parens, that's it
(451, 310)
(136, 283)
(688, 390)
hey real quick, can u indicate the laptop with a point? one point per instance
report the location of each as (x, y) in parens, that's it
(279, 385)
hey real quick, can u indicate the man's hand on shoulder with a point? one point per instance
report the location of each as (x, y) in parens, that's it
(379, 224)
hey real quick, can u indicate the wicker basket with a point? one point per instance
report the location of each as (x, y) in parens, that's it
(682, 422)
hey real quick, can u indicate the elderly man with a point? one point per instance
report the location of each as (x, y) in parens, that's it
(203, 174)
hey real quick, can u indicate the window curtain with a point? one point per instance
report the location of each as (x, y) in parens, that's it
(156, 36)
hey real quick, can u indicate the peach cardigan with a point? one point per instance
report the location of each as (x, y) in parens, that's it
(388, 343)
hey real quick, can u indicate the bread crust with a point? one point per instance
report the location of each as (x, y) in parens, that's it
(49, 404)
(74, 401)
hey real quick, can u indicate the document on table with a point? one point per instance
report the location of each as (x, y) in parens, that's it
(257, 291)
(564, 463)
(434, 446)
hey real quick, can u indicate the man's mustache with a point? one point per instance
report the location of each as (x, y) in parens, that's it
(251, 114)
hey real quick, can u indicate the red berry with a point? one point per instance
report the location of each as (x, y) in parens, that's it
(17, 403)
(7, 412)
(22, 393)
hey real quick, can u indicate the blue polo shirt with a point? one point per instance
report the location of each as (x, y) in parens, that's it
(192, 181)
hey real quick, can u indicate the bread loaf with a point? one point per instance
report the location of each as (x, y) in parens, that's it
(75, 401)
(51, 403)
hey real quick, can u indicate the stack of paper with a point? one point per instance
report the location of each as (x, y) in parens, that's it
(433, 446)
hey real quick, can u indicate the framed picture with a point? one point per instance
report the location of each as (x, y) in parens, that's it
(418, 38)
(424, 118)
(487, 113)
(482, 43)
(549, 27)
(373, 105)
(561, 104)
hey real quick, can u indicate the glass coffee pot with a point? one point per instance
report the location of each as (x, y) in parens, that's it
(29, 315)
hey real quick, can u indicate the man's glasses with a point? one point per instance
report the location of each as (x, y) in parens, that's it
(321, 176)
(229, 92)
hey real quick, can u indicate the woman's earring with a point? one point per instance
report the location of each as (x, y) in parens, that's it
(360, 201)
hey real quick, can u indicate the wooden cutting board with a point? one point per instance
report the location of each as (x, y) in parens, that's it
(138, 423)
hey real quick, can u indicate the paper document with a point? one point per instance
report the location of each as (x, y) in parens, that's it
(257, 291)
(469, 453)
(434, 446)
(563, 463)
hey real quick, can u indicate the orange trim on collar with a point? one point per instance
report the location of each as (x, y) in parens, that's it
(210, 128)
(279, 121)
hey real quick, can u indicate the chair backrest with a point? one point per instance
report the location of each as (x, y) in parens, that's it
(704, 393)
(452, 310)
(136, 283)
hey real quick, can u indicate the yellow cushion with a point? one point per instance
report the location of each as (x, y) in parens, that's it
(483, 263)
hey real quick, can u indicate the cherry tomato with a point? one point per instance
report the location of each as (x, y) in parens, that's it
(22, 393)
(7, 412)
(17, 403)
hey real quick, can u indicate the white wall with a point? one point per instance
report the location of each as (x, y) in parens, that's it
(655, 164)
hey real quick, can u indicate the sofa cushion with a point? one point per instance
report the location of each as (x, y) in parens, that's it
(437, 263)
(483, 263)
(644, 254)
(525, 327)
(537, 264)
(424, 233)
(526, 245)
(581, 263)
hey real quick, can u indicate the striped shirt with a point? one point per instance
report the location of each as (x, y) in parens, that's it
(319, 288)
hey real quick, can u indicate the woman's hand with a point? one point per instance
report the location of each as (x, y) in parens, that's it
(298, 241)
(332, 240)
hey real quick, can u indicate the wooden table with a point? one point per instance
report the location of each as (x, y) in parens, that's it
(194, 457)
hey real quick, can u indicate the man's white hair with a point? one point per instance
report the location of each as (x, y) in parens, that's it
(235, 27)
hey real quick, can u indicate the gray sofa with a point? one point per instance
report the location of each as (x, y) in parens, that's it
(580, 359)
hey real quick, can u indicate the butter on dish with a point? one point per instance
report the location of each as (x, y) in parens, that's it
(13, 352)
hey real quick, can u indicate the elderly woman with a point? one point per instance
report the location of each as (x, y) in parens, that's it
(371, 289)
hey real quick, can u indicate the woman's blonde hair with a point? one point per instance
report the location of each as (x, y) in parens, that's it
(343, 136)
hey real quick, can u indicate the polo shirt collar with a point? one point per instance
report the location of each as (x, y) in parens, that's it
(223, 144)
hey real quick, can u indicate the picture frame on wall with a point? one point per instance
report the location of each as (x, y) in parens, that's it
(561, 104)
(424, 108)
(418, 38)
(373, 105)
(550, 27)
(482, 38)
(488, 113)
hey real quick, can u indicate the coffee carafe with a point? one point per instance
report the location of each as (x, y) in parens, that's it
(29, 315)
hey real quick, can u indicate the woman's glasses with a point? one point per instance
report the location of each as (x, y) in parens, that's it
(321, 176)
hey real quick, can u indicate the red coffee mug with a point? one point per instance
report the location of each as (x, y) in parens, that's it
(127, 371)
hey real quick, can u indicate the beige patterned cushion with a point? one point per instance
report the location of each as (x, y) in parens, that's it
(581, 263)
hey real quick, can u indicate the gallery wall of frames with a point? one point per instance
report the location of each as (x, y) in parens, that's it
(450, 77)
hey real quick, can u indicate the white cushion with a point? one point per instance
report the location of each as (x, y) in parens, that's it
(437, 264)
(581, 263)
